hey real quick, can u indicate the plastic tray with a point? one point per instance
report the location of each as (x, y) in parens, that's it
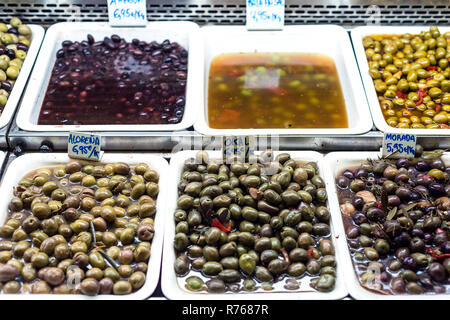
(332, 41)
(183, 32)
(357, 35)
(334, 163)
(169, 284)
(14, 97)
(22, 165)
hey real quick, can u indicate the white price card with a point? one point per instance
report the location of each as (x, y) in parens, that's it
(127, 12)
(237, 148)
(399, 145)
(84, 146)
(265, 14)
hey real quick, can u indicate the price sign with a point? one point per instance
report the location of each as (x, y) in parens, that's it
(265, 14)
(127, 12)
(237, 148)
(397, 145)
(84, 146)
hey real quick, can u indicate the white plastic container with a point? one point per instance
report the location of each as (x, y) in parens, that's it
(14, 96)
(169, 283)
(335, 162)
(357, 35)
(183, 32)
(332, 41)
(21, 166)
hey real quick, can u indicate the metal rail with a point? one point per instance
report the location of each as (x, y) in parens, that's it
(343, 12)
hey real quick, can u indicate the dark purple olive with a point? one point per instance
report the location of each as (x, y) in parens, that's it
(359, 217)
(385, 277)
(415, 196)
(436, 189)
(398, 285)
(437, 163)
(445, 247)
(417, 245)
(437, 271)
(352, 232)
(353, 243)
(348, 174)
(14, 31)
(440, 238)
(425, 281)
(409, 263)
(358, 203)
(402, 240)
(10, 53)
(422, 166)
(393, 201)
(403, 193)
(361, 173)
(427, 237)
(90, 39)
(6, 85)
(412, 171)
(430, 209)
(343, 182)
(375, 214)
(402, 253)
(22, 46)
(421, 190)
(402, 163)
(447, 190)
(415, 232)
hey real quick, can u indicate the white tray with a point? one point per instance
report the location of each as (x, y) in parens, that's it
(329, 40)
(357, 35)
(335, 162)
(183, 32)
(21, 166)
(14, 96)
(169, 284)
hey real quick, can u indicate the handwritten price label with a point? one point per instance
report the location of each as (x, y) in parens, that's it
(237, 148)
(399, 145)
(84, 146)
(265, 14)
(127, 12)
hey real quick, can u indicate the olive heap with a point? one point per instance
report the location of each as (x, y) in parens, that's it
(14, 43)
(246, 227)
(411, 75)
(112, 81)
(79, 229)
(396, 217)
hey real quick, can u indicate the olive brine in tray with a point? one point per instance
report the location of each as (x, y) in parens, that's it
(79, 229)
(113, 81)
(261, 227)
(396, 218)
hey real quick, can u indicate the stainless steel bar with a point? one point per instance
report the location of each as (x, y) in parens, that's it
(344, 12)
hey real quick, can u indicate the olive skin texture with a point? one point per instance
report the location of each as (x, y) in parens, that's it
(243, 226)
(77, 223)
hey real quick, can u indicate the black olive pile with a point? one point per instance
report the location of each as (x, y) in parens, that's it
(79, 229)
(246, 227)
(396, 216)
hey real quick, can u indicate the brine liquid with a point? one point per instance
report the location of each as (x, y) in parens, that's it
(275, 90)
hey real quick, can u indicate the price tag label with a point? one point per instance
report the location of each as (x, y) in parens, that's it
(265, 14)
(127, 12)
(396, 145)
(84, 146)
(237, 148)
